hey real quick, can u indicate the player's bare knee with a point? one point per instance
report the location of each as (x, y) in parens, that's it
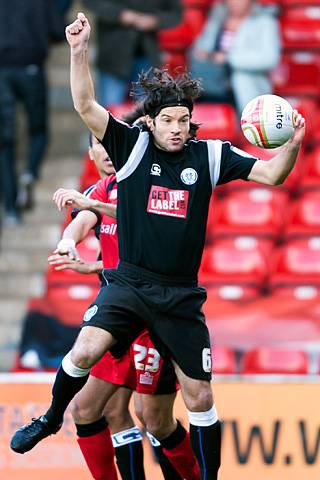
(84, 414)
(84, 357)
(199, 401)
(160, 426)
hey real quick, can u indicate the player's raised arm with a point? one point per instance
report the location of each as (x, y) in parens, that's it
(276, 170)
(94, 115)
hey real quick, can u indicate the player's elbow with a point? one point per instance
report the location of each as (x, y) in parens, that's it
(277, 181)
(83, 106)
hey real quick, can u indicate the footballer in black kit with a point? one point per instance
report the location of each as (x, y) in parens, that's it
(164, 188)
(163, 201)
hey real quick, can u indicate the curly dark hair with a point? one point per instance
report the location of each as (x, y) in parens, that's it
(157, 89)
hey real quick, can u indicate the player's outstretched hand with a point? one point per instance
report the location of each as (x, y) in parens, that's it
(78, 32)
(299, 124)
(64, 198)
(64, 263)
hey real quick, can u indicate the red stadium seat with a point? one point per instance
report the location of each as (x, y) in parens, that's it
(69, 303)
(297, 263)
(175, 62)
(256, 211)
(298, 73)
(239, 261)
(223, 361)
(311, 171)
(303, 10)
(301, 29)
(234, 293)
(303, 217)
(299, 292)
(290, 3)
(181, 37)
(121, 109)
(274, 361)
(217, 121)
(88, 250)
(198, 3)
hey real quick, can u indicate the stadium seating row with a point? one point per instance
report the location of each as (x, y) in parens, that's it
(261, 360)
(264, 213)
(299, 24)
(253, 262)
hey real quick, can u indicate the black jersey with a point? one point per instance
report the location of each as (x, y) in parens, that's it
(163, 198)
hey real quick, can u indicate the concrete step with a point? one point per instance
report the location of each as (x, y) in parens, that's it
(19, 286)
(10, 339)
(27, 237)
(11, 311)
(24, 261)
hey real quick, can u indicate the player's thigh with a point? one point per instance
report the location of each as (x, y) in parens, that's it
(196, 393)
(91, 344)
(88, 405)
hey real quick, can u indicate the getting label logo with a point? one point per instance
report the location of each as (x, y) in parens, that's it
(163, 201)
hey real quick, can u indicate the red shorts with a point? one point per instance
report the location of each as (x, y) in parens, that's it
(141, 369)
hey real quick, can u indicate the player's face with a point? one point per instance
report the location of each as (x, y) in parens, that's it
(170, 128)
(101, 158)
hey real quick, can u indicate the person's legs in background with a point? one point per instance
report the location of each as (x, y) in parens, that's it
(32, 89)
(140, 64)
(112, 89)
(8, 182)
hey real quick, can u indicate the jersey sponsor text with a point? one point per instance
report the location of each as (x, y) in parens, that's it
(164, 201)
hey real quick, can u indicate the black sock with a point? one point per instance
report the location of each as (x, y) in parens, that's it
(89, 429)
(130, 460)
(206, 444)
(174, 438)
(64, 389)
(168, 470)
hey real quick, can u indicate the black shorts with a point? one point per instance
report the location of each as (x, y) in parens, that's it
(134, 299)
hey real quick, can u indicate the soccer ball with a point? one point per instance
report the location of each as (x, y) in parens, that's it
(266, 121)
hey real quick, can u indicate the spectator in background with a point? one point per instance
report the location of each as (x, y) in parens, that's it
(127, 41)
(63, 5)
(26, 30)
(241, 38)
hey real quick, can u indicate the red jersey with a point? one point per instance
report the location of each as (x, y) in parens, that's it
(106, 191)
(141, 368)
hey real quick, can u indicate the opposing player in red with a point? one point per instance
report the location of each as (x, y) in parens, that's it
(141, 368)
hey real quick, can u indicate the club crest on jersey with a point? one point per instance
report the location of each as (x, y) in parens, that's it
(155, 169)
(90, 313)
(189, 176)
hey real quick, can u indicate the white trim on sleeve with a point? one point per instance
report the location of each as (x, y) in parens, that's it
(214, 158)
(135, 157)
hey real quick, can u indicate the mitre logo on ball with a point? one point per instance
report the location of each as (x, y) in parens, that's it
(266, 121)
